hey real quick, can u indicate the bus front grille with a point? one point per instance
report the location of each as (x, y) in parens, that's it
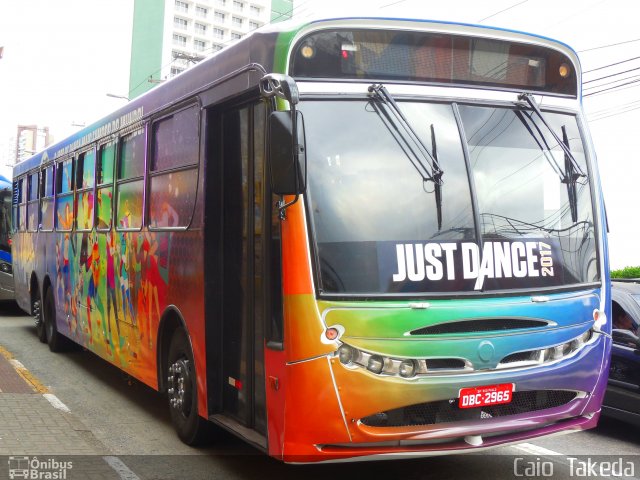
(446, 411)
(480, 325)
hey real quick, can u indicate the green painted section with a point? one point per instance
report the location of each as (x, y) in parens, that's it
(281, 10)
(146, 45)
(283, 45)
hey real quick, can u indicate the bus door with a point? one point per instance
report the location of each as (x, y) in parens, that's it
(238, 306)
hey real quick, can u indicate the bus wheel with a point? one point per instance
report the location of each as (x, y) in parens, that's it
(56, 341)
(37, 316)
(182, 389)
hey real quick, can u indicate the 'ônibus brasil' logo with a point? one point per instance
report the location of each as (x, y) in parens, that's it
(417, 262)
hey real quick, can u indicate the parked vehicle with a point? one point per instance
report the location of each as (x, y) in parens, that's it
(6, 268)
(622, 399)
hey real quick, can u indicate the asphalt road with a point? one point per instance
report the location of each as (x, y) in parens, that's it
(131, 422)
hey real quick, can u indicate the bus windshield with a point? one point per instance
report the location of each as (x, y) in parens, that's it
(5, 220)
(514, 209)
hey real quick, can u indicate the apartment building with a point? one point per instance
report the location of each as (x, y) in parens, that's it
(171, 35)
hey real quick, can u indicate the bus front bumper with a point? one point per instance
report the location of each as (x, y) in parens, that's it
(354, 414)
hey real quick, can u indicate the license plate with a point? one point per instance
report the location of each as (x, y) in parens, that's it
(483, 396)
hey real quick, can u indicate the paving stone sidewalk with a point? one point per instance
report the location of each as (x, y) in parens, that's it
(37, 436)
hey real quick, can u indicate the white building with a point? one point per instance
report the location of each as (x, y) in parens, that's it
(170, 35)
(197, 29)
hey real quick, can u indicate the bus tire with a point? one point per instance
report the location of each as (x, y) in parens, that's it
(57, 342)
(36, 308)
(182, 391)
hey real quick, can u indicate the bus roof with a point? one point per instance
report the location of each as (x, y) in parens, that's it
(267, 47)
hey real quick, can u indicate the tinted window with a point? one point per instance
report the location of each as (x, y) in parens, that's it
(106, 162)
(132, 155)
(433, 58)
(175, 140)
(130, 205)
(172, 198)
(46, 199)
(86, 170)
(84, 205)
(65, 176)
(104, 207)
(33, 187)
(47, 182)
(64, 213)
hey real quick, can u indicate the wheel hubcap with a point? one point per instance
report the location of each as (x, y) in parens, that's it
(36, 312)
(179, 383)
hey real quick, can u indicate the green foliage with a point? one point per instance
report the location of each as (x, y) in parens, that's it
(626, 272)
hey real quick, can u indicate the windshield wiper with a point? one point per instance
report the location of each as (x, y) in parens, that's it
(572, 171)
(425, 162)
(571, 179)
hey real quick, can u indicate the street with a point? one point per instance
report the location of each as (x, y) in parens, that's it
(124, 429)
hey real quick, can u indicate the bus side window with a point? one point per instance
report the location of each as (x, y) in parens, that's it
(19, 210)
(104, 179)
(32, 206)
(174, 169)
(64, 192)
(85, 170)
(46, 199)
(130, 181)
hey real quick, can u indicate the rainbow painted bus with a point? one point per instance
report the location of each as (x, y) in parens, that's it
(348, 238)
(6, 266)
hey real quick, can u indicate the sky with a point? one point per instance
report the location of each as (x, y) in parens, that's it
(62, 57)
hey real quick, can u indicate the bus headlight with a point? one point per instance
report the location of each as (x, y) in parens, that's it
(5, 268)
(564, 349)
(375, 364)
(407, 368)
(346, 354)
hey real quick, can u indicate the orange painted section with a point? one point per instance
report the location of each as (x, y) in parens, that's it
(276, 387)
(296, 275)
(313, 415)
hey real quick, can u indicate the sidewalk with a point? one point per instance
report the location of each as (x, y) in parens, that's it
(37, 431)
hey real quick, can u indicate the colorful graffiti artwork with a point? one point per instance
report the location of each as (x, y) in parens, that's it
(111, 288)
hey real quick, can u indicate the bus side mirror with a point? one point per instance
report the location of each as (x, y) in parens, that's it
(287, 154)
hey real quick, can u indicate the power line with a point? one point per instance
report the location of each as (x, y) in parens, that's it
(625, 87)
(501, 11)
(609, 83)
(611, 65)
(610, 88)
(610, 45)
(617, 108)
(612, 75)
(390, 4)
(614, 114)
